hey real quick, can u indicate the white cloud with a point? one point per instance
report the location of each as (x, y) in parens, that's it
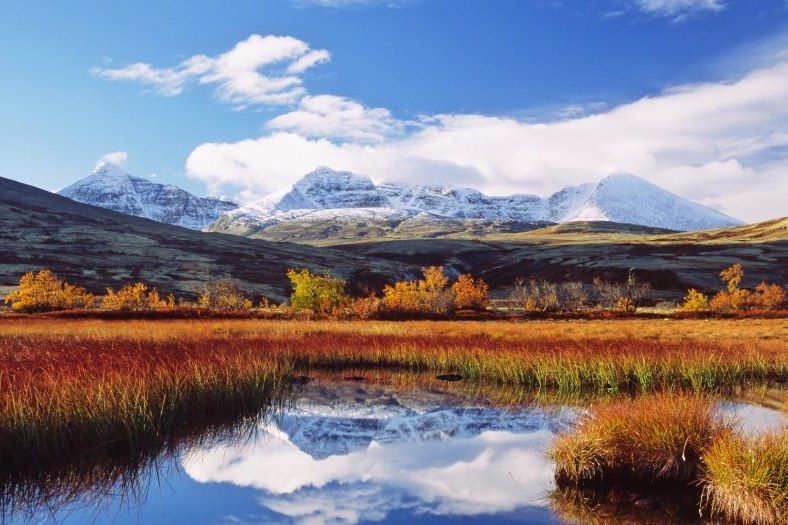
(706, 141)
(338, 117)
(114, 157)
(678, 9)
(258, 70)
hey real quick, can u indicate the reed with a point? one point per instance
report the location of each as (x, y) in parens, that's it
(746, 479)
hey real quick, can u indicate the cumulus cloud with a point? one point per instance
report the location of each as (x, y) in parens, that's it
(114, 157)
(711, 142)
(259, 70)
(338, 117)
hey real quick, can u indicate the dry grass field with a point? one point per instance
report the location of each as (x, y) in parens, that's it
(718, 330)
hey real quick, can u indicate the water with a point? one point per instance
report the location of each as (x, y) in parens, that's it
(348, 453)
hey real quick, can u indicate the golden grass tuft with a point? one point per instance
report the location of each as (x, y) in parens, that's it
(746, 479)
(659, 437)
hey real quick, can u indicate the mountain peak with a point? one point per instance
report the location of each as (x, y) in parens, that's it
(110, 186)
(107, 169)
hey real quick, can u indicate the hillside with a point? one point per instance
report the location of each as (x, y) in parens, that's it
(670, 261)
(96, 248)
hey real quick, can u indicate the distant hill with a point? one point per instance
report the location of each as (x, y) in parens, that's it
(109, 186)
(670, 261)
(97, 248)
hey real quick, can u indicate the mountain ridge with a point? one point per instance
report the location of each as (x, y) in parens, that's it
(110, 186)
(344, 197)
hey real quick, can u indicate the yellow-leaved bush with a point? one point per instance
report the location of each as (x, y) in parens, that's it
(43, 292)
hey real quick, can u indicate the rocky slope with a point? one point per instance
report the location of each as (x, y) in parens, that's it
(109, 186)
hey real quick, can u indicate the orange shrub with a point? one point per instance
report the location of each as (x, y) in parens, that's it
(136, 297)
(769, 296)
(43, 291)
(428, 295)
(732, 276)
(365, 307)
(470, 293)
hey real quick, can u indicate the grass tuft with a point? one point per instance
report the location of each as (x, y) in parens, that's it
(659, 437)
(746, 479)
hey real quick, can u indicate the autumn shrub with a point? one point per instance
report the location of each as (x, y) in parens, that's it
(769, 296)
(319, 293)
(695, 301)
(430, 295)
(42, 291)
(136, 297)
(225, 294)
(765, 297)
(365, 307)
(625, 297)
(470, 293)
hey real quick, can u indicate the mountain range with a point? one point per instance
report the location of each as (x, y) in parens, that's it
(338, 198)
(97, 248)
(109, 186)
(340, 205)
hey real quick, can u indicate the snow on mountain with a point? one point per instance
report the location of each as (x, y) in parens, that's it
(627, 198)
(109, 186)
(322, 431)
(328, 195)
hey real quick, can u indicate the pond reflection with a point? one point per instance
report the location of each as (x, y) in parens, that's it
(334, 461)
(347, 452)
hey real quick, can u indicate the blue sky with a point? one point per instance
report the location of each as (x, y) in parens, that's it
(505, 96)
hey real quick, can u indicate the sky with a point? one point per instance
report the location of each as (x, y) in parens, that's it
(240, 99)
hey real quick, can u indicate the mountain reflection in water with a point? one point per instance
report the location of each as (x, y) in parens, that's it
(348, 453)
(343, 453)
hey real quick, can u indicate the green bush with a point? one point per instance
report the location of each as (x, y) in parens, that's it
(319, 293)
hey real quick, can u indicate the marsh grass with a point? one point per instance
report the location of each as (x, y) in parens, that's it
(68, 387)
(682, 442)
(57, 403)
(746, 479)
(649, 439)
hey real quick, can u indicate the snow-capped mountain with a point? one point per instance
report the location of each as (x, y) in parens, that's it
(326, 195)
(109, 186)
(322, 431)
